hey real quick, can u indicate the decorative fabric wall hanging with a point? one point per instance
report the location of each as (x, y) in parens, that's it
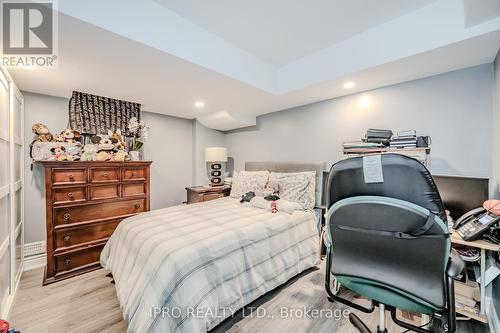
(91, 114)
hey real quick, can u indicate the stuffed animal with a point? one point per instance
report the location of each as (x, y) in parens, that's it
(70, 136)
(59, 152)
(73, 152)
(118, 139)
(121, 156)
(42, 133)
(103, 155)
(106, 144)
(89, 153)
(58, 138)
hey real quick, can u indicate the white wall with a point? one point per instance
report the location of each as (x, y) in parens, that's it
(455, 109)
(169, 147)
(203, 137)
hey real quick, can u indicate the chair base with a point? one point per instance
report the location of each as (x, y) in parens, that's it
(362, 328)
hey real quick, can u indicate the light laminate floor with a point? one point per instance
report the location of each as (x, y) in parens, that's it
(88, 303)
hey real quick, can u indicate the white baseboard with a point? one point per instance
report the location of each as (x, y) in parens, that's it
(34, 262)
(493, 320)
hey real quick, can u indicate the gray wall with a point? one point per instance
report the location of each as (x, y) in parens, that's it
(454, 108)
(203, 137)
(169, 146)
(495, 179)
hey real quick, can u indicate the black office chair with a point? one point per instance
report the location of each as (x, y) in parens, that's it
(388, 241)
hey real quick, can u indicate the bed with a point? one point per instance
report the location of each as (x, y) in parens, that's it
(188, 267)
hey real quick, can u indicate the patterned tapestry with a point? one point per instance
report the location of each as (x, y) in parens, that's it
(96, 114)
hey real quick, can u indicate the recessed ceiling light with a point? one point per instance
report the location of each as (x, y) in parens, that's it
(349, 85)
(199, 104)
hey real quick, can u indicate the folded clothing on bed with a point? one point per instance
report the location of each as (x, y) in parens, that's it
(282, 205)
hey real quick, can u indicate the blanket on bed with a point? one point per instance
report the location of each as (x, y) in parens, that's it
(186, 268)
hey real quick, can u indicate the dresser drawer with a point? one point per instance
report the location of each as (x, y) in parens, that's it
(69, 194)
(78, 235)
(134, 173)
(99, 175)
(212, 196)
(98, 192)
(132, 189)
(69, 176)
(95, 212)
(76, 259)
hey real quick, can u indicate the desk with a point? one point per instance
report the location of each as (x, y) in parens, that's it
(483, 246)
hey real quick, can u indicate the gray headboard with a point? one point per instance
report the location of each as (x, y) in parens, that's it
(319, 167)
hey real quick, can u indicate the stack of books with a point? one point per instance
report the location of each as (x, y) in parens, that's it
(374, 135)
(404, 139)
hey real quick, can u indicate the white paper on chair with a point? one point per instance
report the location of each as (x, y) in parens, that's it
(372, 169)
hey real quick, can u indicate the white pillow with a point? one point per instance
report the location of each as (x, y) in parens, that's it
(248, 181)
(297, 186)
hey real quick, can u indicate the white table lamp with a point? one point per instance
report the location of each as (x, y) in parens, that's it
(215, 156)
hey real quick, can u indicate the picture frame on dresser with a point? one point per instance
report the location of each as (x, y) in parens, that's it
(85, 202)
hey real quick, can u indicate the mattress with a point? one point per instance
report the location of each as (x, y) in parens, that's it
(186, 268)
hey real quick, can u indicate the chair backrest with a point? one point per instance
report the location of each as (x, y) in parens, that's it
(391, 234)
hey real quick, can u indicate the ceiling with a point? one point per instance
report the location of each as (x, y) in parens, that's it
(281, 31)
(168, 54)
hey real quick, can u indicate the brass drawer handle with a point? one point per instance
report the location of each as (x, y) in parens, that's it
(105, 174)
(67, 216)
(71, 177)
(70, 195)
(67, 262)
(66, 238)
(137, 206)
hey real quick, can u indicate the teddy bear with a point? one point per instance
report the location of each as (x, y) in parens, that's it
(59, 152)
(42, 133)
(70, 136)
(89, 153)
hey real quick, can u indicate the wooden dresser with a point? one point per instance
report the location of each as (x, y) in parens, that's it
(85, 201)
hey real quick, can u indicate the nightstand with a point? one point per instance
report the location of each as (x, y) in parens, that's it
(206, 193)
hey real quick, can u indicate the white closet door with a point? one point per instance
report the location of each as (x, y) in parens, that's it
(5, 193)
(17, 216)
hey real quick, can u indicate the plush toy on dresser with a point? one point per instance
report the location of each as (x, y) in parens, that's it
(59, 153)
(89, 153)
(70, 136)
(42, 133)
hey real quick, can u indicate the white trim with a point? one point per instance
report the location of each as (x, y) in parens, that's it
(16, 232)
(493, 320)
(4, 247)
(4, 191)
(18, 141)
(34, 262)
(18, 185)
(4, 135)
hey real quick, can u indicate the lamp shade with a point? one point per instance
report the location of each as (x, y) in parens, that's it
(216, 154)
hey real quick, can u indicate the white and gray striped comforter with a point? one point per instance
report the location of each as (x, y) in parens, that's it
(211, 257)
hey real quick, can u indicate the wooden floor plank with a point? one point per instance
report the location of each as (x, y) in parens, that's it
(88, 303)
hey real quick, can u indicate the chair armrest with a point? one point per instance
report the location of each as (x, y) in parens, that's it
(455, 264)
